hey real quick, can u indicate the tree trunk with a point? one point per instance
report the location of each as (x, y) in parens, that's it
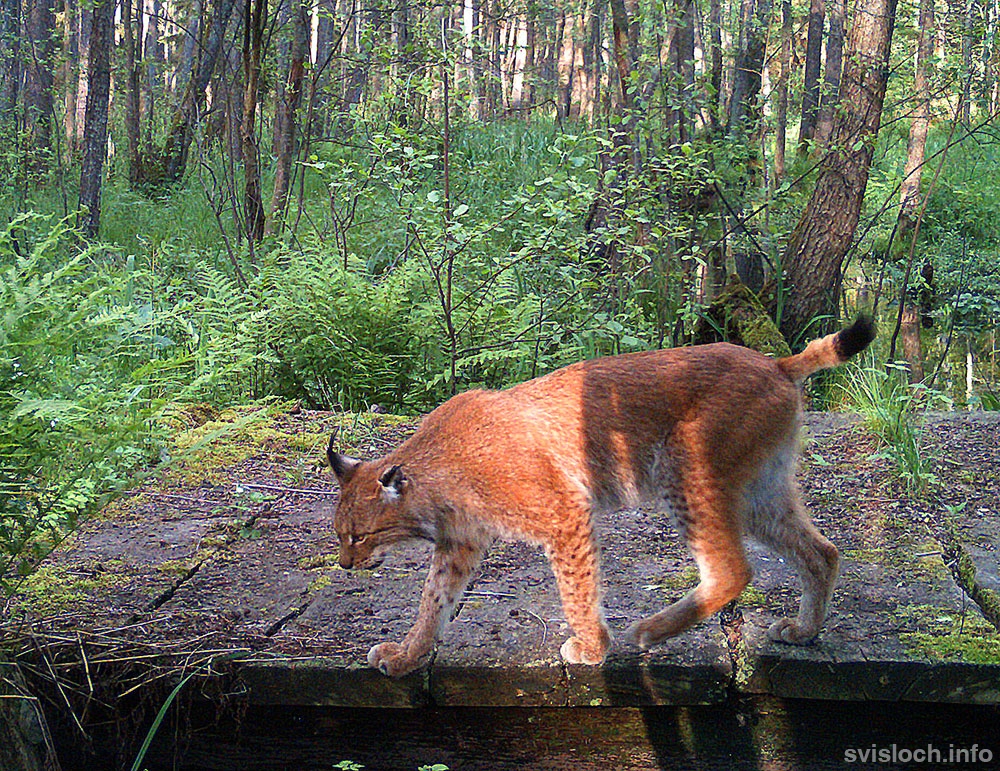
(173, 156)
(810, 85)
(682, 58)
(815, 254)
(781, 112)
(715, 65)
(96, 122)
(69, 75)
(287, 110)
(832, 69)
(38, 92)
(83, 25)
(152, 50)
(748, 68)
(10, 66)
(254, 22)
(909, 189)
(133, 120)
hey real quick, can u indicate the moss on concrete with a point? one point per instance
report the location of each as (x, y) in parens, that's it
(53, 588)
(942, 636)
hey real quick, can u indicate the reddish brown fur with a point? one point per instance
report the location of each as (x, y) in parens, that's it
(709, 432)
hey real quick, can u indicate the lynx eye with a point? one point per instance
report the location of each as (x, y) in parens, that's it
(356, 539)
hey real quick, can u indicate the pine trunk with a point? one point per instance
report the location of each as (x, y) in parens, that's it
(815, 254)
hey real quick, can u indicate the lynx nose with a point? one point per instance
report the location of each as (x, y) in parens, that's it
(346, 559)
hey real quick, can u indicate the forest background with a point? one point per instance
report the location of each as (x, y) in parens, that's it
(373, 204)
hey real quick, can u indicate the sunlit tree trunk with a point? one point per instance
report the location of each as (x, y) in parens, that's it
(83, 24)
(815, 253)
(781, 92)
(96, 123)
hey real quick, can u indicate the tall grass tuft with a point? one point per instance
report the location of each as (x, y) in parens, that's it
(890, 407)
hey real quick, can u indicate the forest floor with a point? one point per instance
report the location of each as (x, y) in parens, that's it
(227, 565)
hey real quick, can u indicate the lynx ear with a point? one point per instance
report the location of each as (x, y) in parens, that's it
(343, 466)
(393, 482)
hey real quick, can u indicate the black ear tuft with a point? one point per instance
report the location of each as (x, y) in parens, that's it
(343, 466)
(393, 480)
(855, 338)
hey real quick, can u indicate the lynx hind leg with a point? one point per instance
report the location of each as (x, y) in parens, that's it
(777, 519)
(575, 564)
(713, 533)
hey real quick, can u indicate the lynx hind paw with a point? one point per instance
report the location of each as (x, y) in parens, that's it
(573, 651)
(790, 632)
(391, 660)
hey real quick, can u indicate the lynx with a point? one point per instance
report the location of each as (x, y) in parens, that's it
(708, 433)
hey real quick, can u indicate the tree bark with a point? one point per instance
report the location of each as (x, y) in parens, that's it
(83, 24)
(10, 65)
(909, 188)
(781, 89)
(287, 111)
(810, 85)
(831, 71)
(715, 65)
(815, 254)
(254, 21)
(682, 58)
(38, 91)
(132, 117)
(96, 122)
(174, 154)
(69, 75)
(748, 67)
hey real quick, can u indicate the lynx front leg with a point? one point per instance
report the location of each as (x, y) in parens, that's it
(574, 562)
(451, 568)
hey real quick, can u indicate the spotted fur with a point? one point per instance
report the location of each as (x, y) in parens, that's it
(708, 432)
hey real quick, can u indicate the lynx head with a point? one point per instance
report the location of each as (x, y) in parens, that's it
(374, 511)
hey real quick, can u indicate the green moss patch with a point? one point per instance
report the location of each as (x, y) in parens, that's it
(947, 636)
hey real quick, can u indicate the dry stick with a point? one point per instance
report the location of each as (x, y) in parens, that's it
(280, 489)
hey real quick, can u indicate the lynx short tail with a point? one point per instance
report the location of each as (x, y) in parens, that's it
(829, 351)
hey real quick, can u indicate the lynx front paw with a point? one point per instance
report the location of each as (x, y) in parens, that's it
(789, 631)
(574, 651)
(391, 660)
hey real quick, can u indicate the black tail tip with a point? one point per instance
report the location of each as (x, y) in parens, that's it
(855, 338)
